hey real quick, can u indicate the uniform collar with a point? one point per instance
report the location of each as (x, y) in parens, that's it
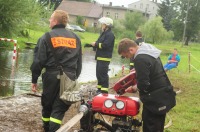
(58, 26)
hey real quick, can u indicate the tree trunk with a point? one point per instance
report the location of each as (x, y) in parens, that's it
(187, 41)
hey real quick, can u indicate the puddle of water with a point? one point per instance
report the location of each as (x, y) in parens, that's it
(16, 80)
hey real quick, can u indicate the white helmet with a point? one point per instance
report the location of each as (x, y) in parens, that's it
(106, 20)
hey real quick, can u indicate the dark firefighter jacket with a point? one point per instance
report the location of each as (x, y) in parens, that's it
(67, 48)
(104, 46)
(149, 69)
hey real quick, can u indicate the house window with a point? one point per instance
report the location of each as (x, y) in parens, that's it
(116, 15)
(147, 6)
(107, 14)
(153, 8)
(141, 6)
(135, 6)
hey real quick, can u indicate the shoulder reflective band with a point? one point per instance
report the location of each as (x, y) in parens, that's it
(45, 119)
(104, 89)
(64, 42)
(131, 64)
(103, 59)
(55, 120)
(100, 45)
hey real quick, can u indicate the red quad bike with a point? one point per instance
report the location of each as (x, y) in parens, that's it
(121, 110)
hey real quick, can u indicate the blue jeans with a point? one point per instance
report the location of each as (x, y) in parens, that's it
(169, 66)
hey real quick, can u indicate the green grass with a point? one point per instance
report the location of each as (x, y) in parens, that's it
(186, 114)
(85, 37)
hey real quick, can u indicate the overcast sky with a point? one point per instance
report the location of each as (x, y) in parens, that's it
(117, 2)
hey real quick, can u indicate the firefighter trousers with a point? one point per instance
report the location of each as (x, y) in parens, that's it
(152, 122)
(53, 109)
(102, 75)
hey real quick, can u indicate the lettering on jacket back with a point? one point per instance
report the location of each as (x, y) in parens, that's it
(63, 42)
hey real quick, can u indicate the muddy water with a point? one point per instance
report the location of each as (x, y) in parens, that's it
(16, 79)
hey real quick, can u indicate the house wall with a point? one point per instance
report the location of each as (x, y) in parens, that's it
(89, 21)
(114, 13)
(146, 6)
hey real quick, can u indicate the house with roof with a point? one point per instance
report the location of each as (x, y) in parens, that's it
(90, 12)
(149, 8)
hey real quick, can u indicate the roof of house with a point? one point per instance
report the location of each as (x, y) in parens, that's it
(114, 7)
(81, 8)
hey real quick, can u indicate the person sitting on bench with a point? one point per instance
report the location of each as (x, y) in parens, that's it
(173, 60)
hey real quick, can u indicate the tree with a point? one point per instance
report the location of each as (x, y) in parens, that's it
(82, 0)
(154, 31)
(79, 20)
(167, 12)
(50, 4)
(128, 26)
(16, 15)
(133, 24)
(188, 19)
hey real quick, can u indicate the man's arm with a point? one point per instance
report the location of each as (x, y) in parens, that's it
(39, 60)
(142, 67)
(79, 63)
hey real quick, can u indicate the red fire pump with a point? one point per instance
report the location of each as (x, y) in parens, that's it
(125, 82)
(123, 108)
(116, 105)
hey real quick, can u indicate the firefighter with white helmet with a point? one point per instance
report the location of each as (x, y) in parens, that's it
(104, 48)
(106, 20)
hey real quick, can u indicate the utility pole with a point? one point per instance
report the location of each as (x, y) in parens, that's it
(185, 24)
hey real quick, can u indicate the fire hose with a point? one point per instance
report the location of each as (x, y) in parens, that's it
(66, 127)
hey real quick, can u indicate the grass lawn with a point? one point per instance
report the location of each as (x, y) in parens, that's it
(35, 35)
(186, 114)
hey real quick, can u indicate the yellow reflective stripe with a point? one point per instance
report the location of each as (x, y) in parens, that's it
(131, 64)
(103, 59)
(104, 89)
(100, 45)
(45, 119)
(55, 120)
(99, 86)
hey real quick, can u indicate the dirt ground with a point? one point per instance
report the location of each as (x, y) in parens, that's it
(22, 113)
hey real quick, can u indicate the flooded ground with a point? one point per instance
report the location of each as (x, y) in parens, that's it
(15, 80)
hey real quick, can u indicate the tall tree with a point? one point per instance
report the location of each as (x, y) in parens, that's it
(15, 15)
(133, 24)
(154, 31)
(167, 12)
(188, 20)
(50, 4)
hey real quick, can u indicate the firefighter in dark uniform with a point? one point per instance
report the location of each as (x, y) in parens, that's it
(138, 41)
(67, 48)
(104, 48)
